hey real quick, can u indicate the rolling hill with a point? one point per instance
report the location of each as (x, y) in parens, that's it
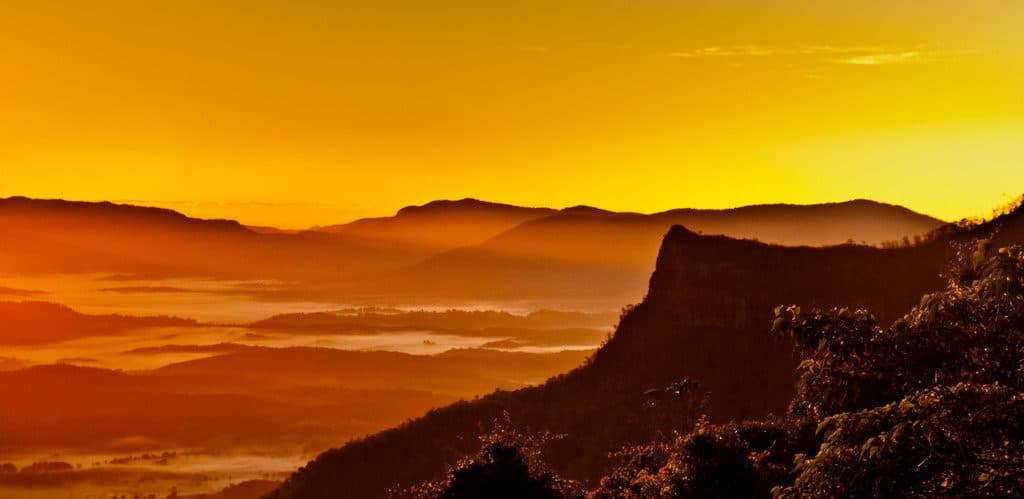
(340, 394)
(56, 236)
(441, 225)
(36, 323)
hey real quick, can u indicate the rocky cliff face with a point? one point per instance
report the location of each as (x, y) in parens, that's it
(710, 303)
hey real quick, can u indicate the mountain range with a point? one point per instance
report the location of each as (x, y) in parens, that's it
(705, 317)
(444, 251)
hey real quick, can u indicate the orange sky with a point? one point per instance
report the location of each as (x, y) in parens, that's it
(300, 113)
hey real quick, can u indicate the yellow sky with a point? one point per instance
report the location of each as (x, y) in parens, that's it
(300, 113)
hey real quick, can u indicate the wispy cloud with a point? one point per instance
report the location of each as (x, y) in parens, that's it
(854, 55)
(743, 51)
(884, 58)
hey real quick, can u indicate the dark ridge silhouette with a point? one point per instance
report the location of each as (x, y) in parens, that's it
(19, 293)
(56, 479)
(442, 225)
(709, 305)
(468, 205)
(585, 210)
(172, 349)
(105, 212)
(67, 236)
(249, 489)
(30, 323)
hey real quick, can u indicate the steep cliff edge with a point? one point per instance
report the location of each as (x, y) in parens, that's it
(710, 303)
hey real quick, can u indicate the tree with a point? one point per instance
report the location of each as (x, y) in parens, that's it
(733, 460)
(508, 466)
(932, 405)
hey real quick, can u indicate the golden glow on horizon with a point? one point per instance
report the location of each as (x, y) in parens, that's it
(301, 113)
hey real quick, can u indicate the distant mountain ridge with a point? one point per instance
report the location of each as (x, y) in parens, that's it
(440, 252)
(873, 222)
(57, 236)
(706, 316)
(94, 212)
(36, 323)
(583, 252)
(442, 225)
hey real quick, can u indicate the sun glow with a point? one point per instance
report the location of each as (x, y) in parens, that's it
(320, 112)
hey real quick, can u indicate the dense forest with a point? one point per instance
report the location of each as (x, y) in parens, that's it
(700, 332)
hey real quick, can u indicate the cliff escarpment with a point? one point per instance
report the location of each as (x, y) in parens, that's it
(711, 300)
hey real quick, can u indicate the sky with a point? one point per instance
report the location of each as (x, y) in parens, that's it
(299, 113)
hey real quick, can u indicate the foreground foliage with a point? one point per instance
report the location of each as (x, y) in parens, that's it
(508, 466)
(932, 405)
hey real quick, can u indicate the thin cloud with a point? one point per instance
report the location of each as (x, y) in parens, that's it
(833, 50)
(858, 55)
(884, 58)
(744, 51)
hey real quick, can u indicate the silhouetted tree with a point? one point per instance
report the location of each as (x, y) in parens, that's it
(508, 466)
(733, 460)
(931, 406)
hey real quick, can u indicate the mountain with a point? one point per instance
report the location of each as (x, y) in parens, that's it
(441, 225)
(18, 293)
(36, 323)
(625, 238)
(57, 236)
(444, 251)
(593, 254)
(706, 317)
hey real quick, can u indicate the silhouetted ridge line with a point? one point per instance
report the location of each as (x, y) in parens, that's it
(33, 322)
(465, 204)
(106, 210)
